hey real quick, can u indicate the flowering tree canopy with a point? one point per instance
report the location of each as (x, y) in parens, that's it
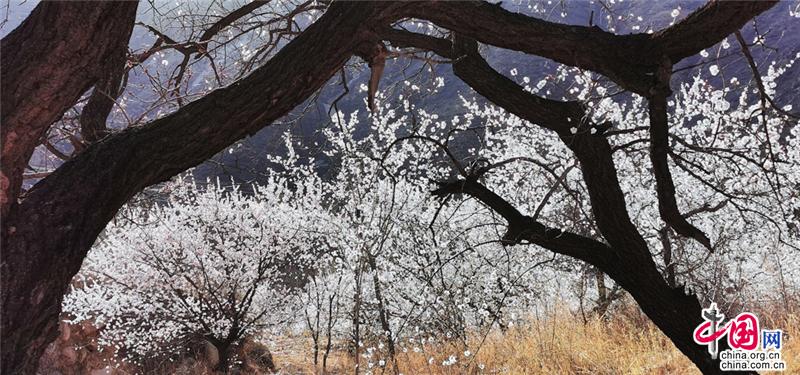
(208, 264)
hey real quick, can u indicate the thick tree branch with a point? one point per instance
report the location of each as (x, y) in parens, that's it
(408, 39)
(629, 60)
(525, 228)
(226, 21)
(101, 102)
(593, 151)
(48, 62)
(473, 69)
(95, 113)
(620, 57)
(707, 26)
(374, 53)
(659, 150)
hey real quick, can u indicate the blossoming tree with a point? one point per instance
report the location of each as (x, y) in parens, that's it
(210, 265)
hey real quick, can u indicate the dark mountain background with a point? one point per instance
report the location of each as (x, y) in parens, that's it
(246, 161)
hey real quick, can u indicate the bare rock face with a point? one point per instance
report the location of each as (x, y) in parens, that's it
(211, 354)
(76, 351)
(250, 358)
(103, 371)
(258, 358)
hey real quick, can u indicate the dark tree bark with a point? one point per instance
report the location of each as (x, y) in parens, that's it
(669, 262)
(659, 149)
(629, 60)
(54, 56)
(223, 356)
(95, 113)
(101, 102)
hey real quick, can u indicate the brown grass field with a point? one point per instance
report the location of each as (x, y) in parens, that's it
(555, 342)
(559, 343)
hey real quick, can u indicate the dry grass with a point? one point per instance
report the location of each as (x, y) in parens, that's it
(559, 343)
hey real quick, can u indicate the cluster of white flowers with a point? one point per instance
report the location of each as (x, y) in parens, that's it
(208, 263)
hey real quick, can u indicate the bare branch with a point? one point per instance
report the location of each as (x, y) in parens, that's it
(524, 228)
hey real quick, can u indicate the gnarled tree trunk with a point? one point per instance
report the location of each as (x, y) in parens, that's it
(60, 51)
(54, 56)
(47, 235)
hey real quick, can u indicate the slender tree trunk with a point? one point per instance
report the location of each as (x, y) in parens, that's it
(329, 328)
(384, 313)
(315, 338)
(314, 326)
(218, 353)
(603, 296)
(358, 297)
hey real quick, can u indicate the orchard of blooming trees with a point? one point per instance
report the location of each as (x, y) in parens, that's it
(637, 157)
(384, 266)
